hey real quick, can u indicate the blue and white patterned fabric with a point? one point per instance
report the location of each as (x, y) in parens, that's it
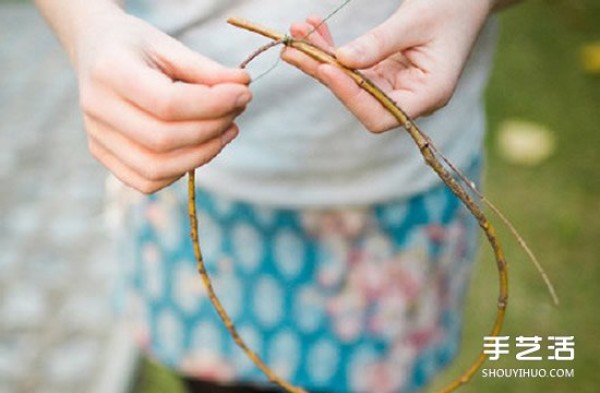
(353, 300)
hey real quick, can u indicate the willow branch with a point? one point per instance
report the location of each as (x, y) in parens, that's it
(254, 357)
(427, 151)
(514, 232)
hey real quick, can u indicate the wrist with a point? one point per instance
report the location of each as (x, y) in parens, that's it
(74, 21)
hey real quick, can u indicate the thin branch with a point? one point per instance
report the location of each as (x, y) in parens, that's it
(429, 153)
(515, 233)
(260, 51)
(215, 300)
(425, 146)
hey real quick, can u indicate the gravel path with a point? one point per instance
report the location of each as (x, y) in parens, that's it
(57, 269)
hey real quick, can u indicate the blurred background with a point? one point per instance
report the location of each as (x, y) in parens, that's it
(57, 270)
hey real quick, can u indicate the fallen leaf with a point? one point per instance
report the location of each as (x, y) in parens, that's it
(590, 58)
(524, 142)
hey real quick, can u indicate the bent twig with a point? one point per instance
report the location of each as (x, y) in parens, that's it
(215, 300)
(428, 151)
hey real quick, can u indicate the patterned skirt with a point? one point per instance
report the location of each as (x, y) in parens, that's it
(365, 299)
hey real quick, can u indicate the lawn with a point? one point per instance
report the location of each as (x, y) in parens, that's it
(556, 205)
(538, 77)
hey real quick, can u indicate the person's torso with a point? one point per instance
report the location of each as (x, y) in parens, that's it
(298, 146)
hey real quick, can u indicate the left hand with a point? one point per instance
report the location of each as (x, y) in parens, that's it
(416, 57)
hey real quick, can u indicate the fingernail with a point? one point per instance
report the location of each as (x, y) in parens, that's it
(229, 135)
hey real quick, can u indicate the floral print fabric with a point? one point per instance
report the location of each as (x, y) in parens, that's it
(351, 300)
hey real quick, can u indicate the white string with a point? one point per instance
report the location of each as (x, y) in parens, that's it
(278, 61)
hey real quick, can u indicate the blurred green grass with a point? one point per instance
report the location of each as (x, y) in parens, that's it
(555, 205)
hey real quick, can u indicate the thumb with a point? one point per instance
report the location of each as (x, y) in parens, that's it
(393, 35)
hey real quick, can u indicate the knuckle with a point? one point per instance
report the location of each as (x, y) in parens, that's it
(151, 170)
(445, 91)
(435, 105)
(146, 187)
(445, 96)
(160, 141)
(436, 100)
(87, 100)
(377, 39)
(103, 66)
(97, 68)
(209, 157)
(204, 159)
(213, 129)
(166, 107)
(93, 149)
(445, 100)
(206, 155)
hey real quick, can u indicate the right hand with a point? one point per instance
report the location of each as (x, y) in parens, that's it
(416, 57)
(153, 109)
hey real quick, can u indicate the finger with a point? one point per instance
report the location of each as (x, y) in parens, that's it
(305, 31)
(415, 101)
(423, 91)
(152, 133)
(177, 101)
(304, 63)
(321, 28)
(157, 94)
(124, 173)
(401, 31)
(181, 63)
(424, 99)
(153, 166)
(366, 108)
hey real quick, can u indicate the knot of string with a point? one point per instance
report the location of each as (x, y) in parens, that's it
(285, 41)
